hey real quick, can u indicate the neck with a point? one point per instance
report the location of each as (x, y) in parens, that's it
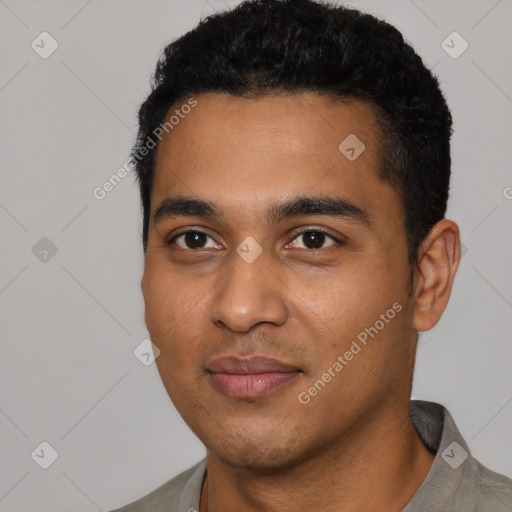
(378, 466)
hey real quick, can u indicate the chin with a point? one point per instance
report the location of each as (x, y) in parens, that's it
(268, 453)
(255, 457)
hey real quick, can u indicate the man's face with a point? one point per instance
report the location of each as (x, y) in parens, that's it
(250, 282)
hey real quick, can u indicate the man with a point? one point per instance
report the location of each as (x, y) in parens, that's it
(294, 164)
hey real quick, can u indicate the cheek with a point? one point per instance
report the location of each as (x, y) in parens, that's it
(341, 301)
(348, 305)
(172, 306)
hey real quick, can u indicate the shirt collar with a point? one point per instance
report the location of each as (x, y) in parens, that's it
(452, 482)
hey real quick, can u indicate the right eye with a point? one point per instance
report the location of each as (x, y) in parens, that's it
(193, 240)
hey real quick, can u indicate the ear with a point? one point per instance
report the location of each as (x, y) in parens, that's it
(437, 263)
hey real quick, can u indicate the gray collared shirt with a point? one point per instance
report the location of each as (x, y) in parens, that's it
(456, 481)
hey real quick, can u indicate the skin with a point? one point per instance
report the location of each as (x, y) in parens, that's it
(353, 447)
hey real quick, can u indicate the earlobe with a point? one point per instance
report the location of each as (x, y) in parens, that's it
(438, 260)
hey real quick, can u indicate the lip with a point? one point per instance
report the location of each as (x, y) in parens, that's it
(250, 377)
(249, 365)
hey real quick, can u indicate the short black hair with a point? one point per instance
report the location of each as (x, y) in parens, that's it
(263, 47)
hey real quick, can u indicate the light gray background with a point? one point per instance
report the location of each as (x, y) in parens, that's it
(69, 325)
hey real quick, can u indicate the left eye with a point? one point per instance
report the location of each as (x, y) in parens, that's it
(312, 239)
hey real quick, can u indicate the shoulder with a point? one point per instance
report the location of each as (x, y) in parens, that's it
(457, 481)
(495, 490)
(183, 488)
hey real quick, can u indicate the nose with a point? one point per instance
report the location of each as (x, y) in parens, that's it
(249, 294)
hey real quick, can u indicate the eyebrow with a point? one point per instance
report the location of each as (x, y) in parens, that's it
(301, 206)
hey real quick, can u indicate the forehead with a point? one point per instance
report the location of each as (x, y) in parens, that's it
(306, 123)
(243, 151)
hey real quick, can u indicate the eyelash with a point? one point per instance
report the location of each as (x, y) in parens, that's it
(170, 240)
